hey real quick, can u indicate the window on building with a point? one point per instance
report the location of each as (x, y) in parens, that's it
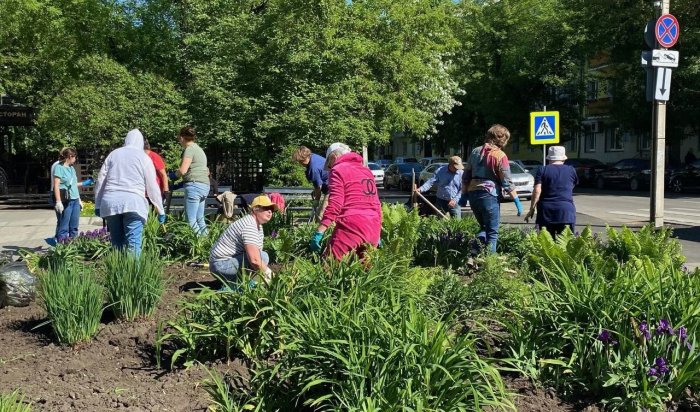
(613, 140)
(592, 89)
(589, 142)
(405, 148)
(645, 141)
(515, 146)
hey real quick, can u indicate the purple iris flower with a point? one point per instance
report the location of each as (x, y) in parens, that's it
(606, 337)
(664, 326)
(653, 372)
(644, 329)
(273, 234)
(683, 335)
(661, 365)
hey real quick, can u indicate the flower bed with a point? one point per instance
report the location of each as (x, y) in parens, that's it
(424, 324)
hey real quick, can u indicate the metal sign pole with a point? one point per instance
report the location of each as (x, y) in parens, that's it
(658, 161)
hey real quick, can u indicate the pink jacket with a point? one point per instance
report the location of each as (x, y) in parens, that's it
(353, 204)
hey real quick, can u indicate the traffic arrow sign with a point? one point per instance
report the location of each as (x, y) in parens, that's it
(663, 84)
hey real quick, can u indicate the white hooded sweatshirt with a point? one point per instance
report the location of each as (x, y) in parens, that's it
(125, 178)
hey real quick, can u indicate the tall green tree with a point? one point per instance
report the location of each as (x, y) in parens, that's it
(290, 71)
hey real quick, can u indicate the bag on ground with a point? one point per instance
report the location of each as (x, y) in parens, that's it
(17, 285)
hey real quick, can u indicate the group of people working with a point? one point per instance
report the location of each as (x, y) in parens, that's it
(131, 178)
(344, 195)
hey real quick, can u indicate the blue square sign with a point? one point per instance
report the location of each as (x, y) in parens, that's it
(544, 127)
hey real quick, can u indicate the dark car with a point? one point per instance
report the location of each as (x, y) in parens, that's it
(401, 174)
(586, 169)
(633, 174)
(685, 179)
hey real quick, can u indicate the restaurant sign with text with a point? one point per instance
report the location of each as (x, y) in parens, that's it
(11, 115)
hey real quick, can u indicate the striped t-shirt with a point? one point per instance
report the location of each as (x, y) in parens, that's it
(244, 231)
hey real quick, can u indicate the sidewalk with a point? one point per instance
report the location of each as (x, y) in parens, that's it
(31, 228)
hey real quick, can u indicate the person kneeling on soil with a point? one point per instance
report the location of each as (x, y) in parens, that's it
(353, 204)
(241, 243)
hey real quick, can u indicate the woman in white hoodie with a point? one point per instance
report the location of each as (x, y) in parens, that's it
(126, 178)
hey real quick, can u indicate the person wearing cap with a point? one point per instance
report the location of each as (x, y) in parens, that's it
(241, 244)
(486, 177)
(553, 195)
(126, 178)
(317, 175)
(449, 186)
(353, 204)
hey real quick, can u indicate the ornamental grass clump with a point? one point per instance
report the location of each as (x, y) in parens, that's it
(73, 300)
(604, 330)
(134, 284)
(13, 402)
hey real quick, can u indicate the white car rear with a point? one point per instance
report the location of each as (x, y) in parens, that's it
(378, 173)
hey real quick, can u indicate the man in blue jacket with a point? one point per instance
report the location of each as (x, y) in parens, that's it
(449, 186)
(316, 175)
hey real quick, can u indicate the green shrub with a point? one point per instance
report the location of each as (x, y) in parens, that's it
(445, 242)
(13, 402)
(176, 241)
(72, 298)
(559, 336)
(343, 336)
(134, 285)
(657, 244)
(399, 231)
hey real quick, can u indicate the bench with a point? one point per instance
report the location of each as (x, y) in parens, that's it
(175, 203)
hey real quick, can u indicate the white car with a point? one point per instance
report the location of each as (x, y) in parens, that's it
(378, 173)
(427, 173)
(523, 181)
(427, 161)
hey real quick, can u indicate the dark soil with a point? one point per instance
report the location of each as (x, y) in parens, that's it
(117, 369)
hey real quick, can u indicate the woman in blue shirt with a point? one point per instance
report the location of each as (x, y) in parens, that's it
(68, 206)
(553, 195)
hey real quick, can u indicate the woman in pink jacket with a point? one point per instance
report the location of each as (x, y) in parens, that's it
(353, 204)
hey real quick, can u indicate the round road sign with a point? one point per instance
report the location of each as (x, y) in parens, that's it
(667, 30)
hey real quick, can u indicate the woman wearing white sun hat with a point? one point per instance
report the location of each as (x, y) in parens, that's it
(553, 194)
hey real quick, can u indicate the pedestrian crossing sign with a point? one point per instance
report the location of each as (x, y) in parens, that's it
(544, 127)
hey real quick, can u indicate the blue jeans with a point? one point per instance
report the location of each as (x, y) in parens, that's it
(69, 220)
(487, 212)
(229, 268)
(125, 230)
(195, 197)
(455, 211)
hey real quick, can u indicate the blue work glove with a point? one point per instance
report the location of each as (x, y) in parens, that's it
(518, 205)
(463, 200)
(172, 175)
(315, 243)
(88, 182)
(97, 212)
(161, 219)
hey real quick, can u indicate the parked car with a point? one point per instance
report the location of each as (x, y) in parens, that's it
(427, 173)
(378, 173)
(633, 174)
(400, 175)
(530, 166)
(685, 179)
(383, 163)
(427, 161)
(523, 181)
(405, 160)
(586, 169)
